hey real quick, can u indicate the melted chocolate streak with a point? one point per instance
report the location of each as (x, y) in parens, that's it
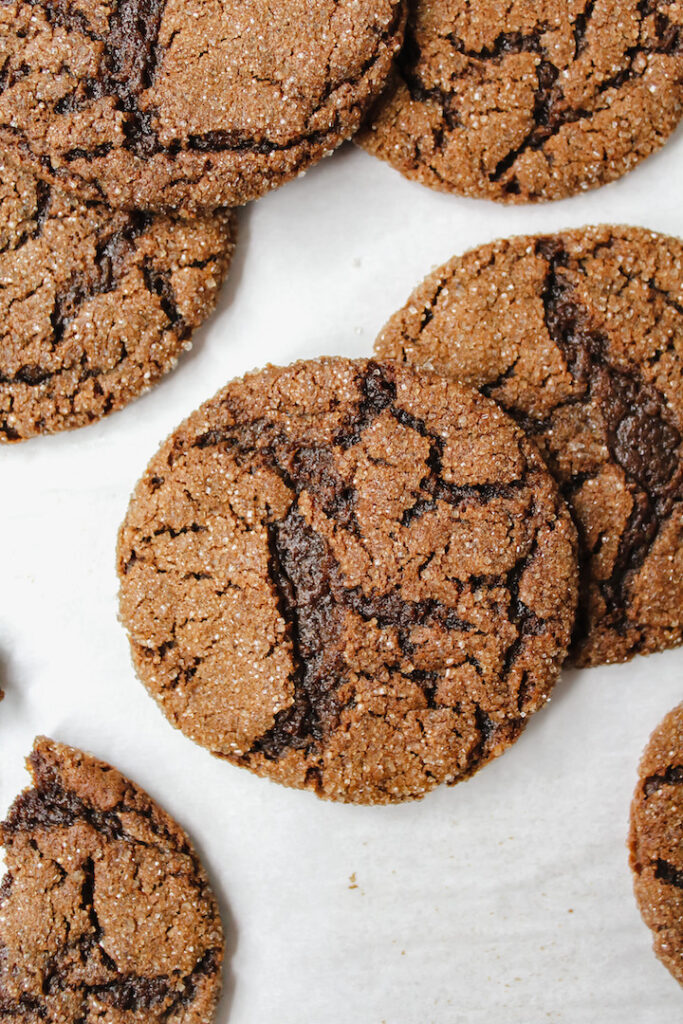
(549, 112)
(639, 434)
(50, 806)
(306, 577)
(129, 65)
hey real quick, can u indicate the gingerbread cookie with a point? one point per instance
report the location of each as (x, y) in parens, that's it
(579, 336)
(95, 305)
(656, 840)
(530, 101)
(349, 577)
(105, 913)
(165, 103)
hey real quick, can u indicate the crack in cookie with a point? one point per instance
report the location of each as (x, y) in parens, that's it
(97, 304)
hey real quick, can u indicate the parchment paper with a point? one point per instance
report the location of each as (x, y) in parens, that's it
(505, 899)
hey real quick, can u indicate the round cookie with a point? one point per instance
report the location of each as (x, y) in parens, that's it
(349, 577)
(534, 102)
(579, 336)
(192, 103)
(95, 305)
(656, 840)
(105, 911)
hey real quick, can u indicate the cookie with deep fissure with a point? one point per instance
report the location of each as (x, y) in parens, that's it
(579, 336)
(530, 101)
(163, 103)
(656, 840)
(349, 577)
(106, 913)
(96, 305)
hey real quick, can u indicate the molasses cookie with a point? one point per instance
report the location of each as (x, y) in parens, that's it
(95, 305)
(105, 913)
(656, 840)
(349, 577)
(523, 102)
(579, 336)
(192, 103)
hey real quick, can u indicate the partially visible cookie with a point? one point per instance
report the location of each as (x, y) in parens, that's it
(349, 577)
(656, 840)
(187, 103)
(106, 913)
(530, 101)
(95, 305)
(579, 336)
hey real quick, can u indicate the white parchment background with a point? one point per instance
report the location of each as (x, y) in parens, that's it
(506, 899)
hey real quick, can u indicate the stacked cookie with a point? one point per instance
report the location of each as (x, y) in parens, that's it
(579, 337)
(350, 577)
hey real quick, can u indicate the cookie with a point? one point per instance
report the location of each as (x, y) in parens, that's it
(192, 103)
(531, 101)
(105, 913)
(95, 305)
(349, 577)
(579, 336)
(656, 840)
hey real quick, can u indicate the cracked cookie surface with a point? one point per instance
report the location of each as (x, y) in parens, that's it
(656, 840)
(523, 102)
(96, 305)
(579, 336)
(106, 913)
(349, 577)
(165, 103)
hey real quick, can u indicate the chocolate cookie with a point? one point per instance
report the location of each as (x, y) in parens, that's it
(194, 103)
(95, 305)
(579, 336)
(656, 840)
(526, 102)
(350, 577)
(105, 913)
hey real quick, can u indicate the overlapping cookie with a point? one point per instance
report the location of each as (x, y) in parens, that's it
(579, 336)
